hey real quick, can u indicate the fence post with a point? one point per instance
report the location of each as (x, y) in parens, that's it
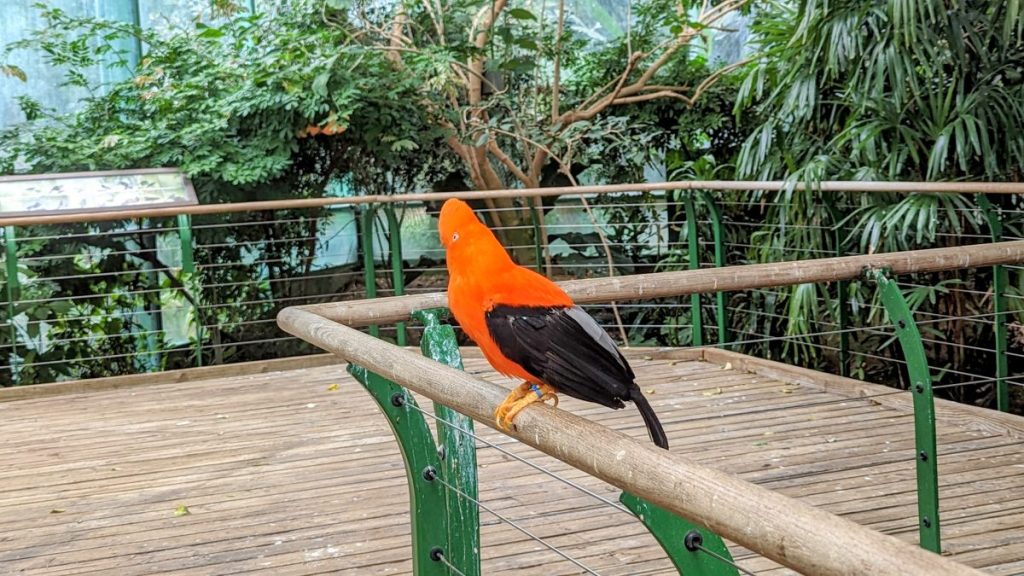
(427, 505)
(693, 249)
(13, 293)
(457, 450)
(924, 409)
(538, 242)
(442, 475)
(397, 273)
(842, 288)
(369, 267)
(190, 280)
(1000, 281)
(718, 233)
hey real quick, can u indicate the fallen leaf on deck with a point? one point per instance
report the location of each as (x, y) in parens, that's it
(332, 388)
(714, 392)
(57, 511)
(182, 511)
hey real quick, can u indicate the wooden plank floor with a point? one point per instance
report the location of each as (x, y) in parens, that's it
(295, 473)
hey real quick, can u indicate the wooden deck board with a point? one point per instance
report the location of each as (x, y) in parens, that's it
(283, 475)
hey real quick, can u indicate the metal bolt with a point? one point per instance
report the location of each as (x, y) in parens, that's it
(919, 388)
(429, 473)
(926, 522)
(398, 399)
(693, 540)
(436, 553)
(441, 452)
(923, 455)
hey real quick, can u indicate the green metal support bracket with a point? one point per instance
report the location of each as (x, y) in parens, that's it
(369, 267)
(693, 248)
(427, 502)
(397, 273)
(842, 290)
(924, 409)
(1000, 282)
(13, 292)
(458, 461)
(190, 279)
(676, 537)
(442, 475)
(718, 234)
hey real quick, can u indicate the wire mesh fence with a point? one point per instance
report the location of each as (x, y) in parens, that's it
(130, 296)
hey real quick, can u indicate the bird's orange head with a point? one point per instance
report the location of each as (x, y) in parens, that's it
(457, 220)
(470, 246)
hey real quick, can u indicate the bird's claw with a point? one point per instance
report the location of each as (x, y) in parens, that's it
(521, 397)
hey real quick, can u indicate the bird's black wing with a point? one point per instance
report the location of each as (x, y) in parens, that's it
(566, 348)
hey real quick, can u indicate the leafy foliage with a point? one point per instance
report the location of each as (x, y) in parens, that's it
(251, 106)
(905, 90)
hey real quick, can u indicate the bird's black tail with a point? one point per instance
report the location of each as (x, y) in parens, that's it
(654, 429)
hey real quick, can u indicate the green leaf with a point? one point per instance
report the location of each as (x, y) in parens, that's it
(209, 31)
(521, 14)
(320, 83)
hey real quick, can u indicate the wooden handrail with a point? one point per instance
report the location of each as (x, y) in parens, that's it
(680, 283)
(733, 185)
(788, 531)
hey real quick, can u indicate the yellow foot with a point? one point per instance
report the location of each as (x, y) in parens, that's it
(521, 397)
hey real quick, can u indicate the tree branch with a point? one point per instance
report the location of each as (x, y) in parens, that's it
(556, 76)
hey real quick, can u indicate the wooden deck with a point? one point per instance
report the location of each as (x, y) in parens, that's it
(294, 472)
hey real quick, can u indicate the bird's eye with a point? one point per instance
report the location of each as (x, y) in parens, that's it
(455, 236)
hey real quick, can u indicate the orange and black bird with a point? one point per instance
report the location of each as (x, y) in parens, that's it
(528, 328)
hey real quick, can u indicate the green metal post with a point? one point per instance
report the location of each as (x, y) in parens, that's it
(693, 247)
(924, 409)
(538, 251)
(190, 279)
(427, 502)
(718, 233)
(1000, 281)
(369, 267)
(442, 475)
(842, 290)
(13, 292)
(676, 537)
(397, 273)
(458, 455)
